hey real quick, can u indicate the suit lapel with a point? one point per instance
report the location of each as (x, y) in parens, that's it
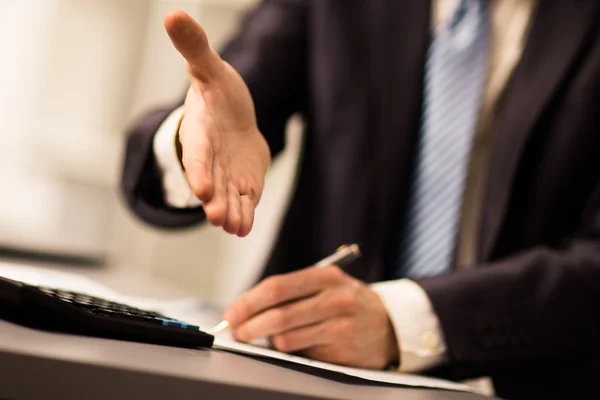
(398, 56)
(556, 38)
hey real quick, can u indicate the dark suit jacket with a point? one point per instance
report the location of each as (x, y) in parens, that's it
(529, 313)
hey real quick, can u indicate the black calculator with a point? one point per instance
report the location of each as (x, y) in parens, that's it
(52, 309)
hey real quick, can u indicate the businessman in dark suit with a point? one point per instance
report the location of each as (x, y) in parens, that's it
(508, 277)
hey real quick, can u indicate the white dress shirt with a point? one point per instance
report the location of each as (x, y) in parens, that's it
(417, 327)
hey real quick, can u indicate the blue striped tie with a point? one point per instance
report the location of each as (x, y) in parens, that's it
(454, 81)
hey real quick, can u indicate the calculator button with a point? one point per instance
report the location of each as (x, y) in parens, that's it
(88, 307)
(47, 291)
(107, 312)
(84, 303)
(65, 296)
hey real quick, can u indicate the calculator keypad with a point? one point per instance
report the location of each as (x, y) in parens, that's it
(111, 309)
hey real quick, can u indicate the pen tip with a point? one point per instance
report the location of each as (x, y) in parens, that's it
(355, 249)
(220, 327)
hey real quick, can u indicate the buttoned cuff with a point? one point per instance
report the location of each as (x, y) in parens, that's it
(176, 189)
(417, 327)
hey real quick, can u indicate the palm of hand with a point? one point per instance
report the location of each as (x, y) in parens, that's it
(225, 156)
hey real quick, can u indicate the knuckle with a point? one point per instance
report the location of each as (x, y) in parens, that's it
(241, 184)
(253, 193)
(283, 343)
(347, 328)
(199, 187)
(279, 318)
(247, 187)
(216, 211)
(345, 301)
(243, 308)
(344, 328)
(331, 331)
(221, 208)
(198, 73)
(236, 218)
(241, 334)
(198, 182)
(215, 218)
(274, 288)
(334, 274)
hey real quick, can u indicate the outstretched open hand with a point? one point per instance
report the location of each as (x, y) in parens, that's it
(223, 153)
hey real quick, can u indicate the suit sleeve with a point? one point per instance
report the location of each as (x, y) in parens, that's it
(269, 53)
(541, 304)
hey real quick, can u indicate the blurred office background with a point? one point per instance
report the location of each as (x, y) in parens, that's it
(75, 74)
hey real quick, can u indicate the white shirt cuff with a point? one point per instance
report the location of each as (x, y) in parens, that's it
(420, 338)
(176, 189)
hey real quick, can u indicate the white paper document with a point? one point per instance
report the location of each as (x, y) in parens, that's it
(206, 315)
(389, 377)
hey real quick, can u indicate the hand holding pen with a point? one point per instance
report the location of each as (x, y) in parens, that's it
(320, 312)
(343, 255)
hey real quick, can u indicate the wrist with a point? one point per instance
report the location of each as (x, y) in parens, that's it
(416, 325)
(176, 190)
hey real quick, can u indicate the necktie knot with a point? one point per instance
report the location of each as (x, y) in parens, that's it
(468, 22)
(459, 14)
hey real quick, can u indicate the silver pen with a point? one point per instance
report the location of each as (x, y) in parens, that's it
(343, 255)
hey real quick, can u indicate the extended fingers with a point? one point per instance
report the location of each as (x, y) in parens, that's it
(247, 208)
(234, 210)
(278, 289)
(282, 319)
(198, 163)
(190, 40)
(307, 311)
(318, 339)
(300, 339)
(216, 209)
(223, 204)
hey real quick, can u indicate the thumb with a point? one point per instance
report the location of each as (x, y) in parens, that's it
(190, 40)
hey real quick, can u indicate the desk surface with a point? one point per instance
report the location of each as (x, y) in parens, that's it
(36, 364)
